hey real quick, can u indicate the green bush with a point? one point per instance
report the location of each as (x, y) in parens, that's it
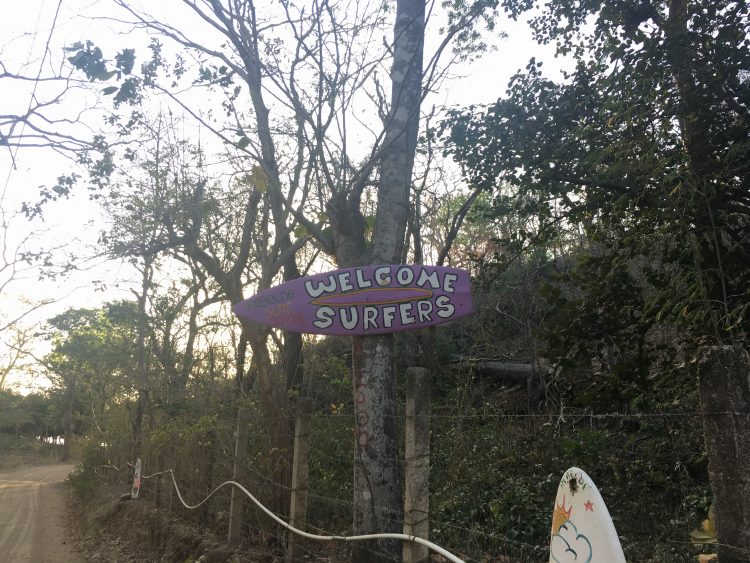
(83, 481)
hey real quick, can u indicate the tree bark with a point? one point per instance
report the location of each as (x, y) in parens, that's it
(724, 386)
(681, 57)
(270, 386)
(378, 504)
(142, 373)
(292, 361)
(70, 389)
(402, 127)
(377, 472)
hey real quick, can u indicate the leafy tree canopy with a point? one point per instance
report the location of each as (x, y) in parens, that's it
(96, 347)
(644, 147)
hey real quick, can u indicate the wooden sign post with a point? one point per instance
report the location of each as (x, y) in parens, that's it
(367, 301)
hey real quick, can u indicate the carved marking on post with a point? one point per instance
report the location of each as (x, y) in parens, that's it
(362, 417)
(363, 423)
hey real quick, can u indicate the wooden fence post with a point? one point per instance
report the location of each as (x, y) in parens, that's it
(237, 501)
(724, 387)
(417, 468)
(300, 470)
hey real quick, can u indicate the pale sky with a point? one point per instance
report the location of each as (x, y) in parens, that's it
(74, 224)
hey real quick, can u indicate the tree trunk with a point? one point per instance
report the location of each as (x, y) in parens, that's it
(378, 504)
(377, 472)
(402, 127)
(682, 59)
(142, 374)
(293, 366)
(271, 391)
(70, 389)
(695, 133)
(724, 386)
(240, 376)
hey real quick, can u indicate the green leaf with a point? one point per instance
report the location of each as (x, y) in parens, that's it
(370, 222)
(124, 60)
(104, 74)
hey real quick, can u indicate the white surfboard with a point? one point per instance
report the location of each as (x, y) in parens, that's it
(136, 488)
(582, 529)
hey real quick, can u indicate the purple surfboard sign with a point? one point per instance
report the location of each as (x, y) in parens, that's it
(363, 300)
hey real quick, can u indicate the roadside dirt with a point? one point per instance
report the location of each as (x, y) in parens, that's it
(34, 515)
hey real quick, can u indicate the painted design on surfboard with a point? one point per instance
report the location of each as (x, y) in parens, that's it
(567, 543)
(582, 530)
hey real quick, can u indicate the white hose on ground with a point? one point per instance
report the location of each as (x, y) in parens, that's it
(404, 537)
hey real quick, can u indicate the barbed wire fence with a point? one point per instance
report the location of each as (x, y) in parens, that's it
(480, 525)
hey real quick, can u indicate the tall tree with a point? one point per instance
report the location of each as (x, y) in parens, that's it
(377, 472)
(646, 146)
(166, 203)
(294, 111)
(92, 359)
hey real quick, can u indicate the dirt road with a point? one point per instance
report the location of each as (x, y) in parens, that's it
(33, 516)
